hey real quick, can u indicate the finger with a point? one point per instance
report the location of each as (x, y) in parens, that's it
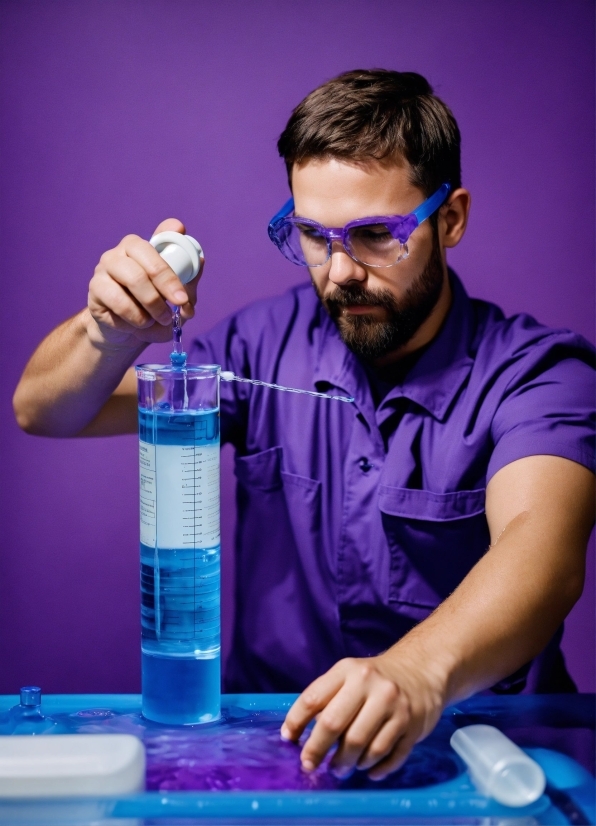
(164, 279)
(118, 301)
(334, 720)
(134, 279)
(187, 310)
(313, 699)
(381, 745)
(357, 739)
(395, 726)
(396, 758)
(155, 334)
(170, 225)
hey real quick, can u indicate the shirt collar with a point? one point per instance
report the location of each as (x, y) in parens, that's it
(434, 380)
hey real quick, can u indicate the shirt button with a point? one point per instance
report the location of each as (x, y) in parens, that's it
(364, 464)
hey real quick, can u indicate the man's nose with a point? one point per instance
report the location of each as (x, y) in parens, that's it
(343, 268)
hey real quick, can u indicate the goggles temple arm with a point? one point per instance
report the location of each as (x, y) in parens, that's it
(283, 212)
(429, 206)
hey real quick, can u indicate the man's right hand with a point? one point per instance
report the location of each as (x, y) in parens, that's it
(79, 382)
(129, 290)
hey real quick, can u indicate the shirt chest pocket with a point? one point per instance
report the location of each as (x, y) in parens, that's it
(277, 509)
(434, 540)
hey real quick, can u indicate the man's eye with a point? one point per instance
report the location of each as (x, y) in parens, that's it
(377, 234)
(309, 232)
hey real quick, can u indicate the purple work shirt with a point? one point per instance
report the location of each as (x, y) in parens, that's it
(354, 520)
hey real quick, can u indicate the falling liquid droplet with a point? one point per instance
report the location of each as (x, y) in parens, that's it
(177, 356)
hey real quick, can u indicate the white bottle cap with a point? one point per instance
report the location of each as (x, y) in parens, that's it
(182, 253)
(498, 767)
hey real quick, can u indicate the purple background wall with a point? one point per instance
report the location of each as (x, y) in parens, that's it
(119, 113)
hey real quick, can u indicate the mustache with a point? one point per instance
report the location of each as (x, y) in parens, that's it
(357, 296)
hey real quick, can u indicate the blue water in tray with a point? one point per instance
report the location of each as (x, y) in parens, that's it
(244, 751)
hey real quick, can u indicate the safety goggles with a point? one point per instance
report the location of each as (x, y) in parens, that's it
(379, 241)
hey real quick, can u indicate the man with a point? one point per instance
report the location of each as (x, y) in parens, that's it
(421, 544)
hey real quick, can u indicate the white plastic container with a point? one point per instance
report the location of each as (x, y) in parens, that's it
(70, 765)
(182, 253)
(499, 768)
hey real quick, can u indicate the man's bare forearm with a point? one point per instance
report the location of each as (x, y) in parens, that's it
(500, 617)
(511, 603)
(70, 378)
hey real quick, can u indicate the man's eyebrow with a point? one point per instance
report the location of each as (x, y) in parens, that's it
(374, 219)
(309, 221)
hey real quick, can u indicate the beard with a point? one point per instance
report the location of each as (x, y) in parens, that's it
(370, 338)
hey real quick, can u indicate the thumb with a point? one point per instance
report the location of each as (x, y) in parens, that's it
(170, 225)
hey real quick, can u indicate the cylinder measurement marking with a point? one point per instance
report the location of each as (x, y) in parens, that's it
(200, 494)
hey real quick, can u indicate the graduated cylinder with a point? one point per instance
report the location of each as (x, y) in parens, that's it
(179, 462)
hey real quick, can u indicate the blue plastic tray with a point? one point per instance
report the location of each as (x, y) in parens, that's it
(570, 796)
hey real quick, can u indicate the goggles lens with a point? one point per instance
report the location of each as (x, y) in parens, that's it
(312, 244)
(373, 244)
(305, 244)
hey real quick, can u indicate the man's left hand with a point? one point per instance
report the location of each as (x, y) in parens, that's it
(375, 709)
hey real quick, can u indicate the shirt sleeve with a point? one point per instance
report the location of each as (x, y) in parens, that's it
(548, 405)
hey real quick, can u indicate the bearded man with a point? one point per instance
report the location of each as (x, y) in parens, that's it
(426, 541)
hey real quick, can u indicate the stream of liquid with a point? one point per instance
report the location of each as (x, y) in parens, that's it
(177, 356)
(178, 359)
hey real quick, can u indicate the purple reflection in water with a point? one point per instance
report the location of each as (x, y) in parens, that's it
(254, 757)
(244, 751)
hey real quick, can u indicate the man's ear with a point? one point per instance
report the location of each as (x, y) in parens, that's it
(453, 217)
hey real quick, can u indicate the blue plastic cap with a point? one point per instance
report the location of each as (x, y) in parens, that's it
(31, 695)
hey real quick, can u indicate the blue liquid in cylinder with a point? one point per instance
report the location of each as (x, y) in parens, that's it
(180, 565)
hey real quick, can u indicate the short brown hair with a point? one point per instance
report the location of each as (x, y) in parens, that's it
(377, 114)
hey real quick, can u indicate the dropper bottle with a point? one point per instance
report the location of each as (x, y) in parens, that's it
(27, 716)
(184, 255)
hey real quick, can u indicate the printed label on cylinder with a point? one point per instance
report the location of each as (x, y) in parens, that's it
(147, 497)
(179, 495)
